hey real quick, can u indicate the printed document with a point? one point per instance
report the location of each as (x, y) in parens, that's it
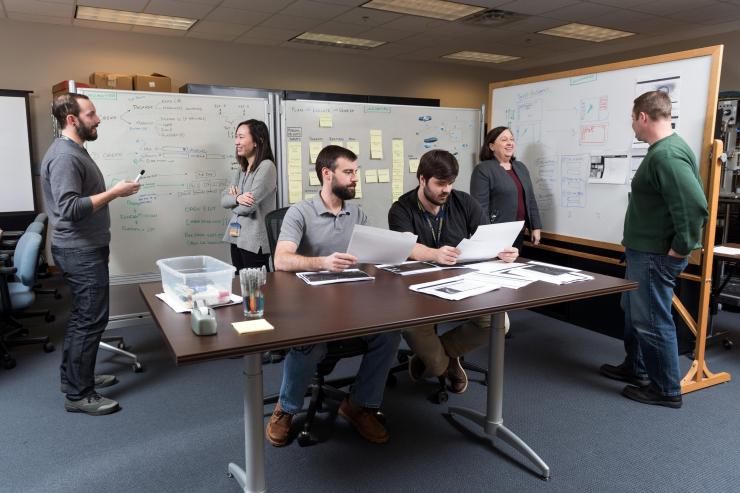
(489, 240)
(380, 246)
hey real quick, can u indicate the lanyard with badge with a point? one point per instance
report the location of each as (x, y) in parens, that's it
(436, 235)
(235, 228)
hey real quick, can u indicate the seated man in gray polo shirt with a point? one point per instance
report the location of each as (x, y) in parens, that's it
(313, 237)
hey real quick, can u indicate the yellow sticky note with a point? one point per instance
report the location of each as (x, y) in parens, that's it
(376, 144)
(354, 146)
(358, 187)
(384, 175)
(336, 142)
(314, 148)
(295, 178)
(413, 165)
(309, 196)
(295, 194)
(371, 176)
(313, 179)
(249, 326)
(325, 120)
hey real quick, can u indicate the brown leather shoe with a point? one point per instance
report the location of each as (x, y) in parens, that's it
(416, 368)
(364, 421)
(457, 376)
(278, 428)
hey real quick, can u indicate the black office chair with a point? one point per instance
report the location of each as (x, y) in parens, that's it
(320, 389)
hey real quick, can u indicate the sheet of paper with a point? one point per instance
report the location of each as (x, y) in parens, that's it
(358, 186)
(251, 326)
(313, 180)
(380, 246)
(725, 250)
(398, 155)
(314, 148)
(180, 307)
(456, 288)
(489, 240)
(325, 277)
(493, 266)
(413, 165)
(371, 176)
(354, 146)
(384, 175)
(325, 120)
(295, 174)
(376, 144)
(612, 170)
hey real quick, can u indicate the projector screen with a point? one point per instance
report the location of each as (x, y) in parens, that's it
(16, 185)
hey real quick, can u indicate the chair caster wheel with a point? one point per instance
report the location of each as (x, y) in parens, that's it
(49, 318)
(9, 363)
(121, 345)
(137, 367)
(305, 440)
(392, 381)
(48, 347)
(727, 344)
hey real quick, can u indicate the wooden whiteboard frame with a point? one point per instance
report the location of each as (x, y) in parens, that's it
(714, 52)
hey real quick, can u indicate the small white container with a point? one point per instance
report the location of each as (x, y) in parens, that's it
(197, 277)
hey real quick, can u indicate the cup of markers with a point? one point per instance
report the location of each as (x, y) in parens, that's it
(251, 281)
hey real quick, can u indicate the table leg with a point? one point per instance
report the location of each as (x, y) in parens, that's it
(251, 479)
(493, 422)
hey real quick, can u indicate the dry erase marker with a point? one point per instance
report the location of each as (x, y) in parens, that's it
(139, 176)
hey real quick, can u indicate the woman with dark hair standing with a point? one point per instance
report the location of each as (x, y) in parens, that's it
(502, 186)
(250, 196)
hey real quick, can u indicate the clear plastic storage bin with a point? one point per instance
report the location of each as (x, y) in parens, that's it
(197, 277)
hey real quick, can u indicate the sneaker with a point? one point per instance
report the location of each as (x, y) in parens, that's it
(457, 376)
(364, 420)
(101, 381)
(94, 405)
(651, 395)
(416, 368)
(278, 428)
(621, 373)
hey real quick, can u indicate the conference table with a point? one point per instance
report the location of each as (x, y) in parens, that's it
(303, 314)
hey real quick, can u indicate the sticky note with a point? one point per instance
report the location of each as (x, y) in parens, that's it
(384, 175)
(354, 146)
(250, 326)
(325, 120)
(376, 144)
(371, 176)
(314, 148)
(413, 165)
(358, 187)
(313, 179)
(336, 142)
(295, 176)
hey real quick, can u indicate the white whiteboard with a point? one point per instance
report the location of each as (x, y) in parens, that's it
(16, 185)
(410, 130)
(185, 142)
(562, 124)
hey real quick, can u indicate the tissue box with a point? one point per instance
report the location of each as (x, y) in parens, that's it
(197, 277)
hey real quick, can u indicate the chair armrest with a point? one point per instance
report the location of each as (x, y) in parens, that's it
(8, 244)
(6, 271)
(12, 234)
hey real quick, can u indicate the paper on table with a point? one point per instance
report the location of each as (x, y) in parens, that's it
(727, 250)
(493, 266)
(249, 326)
(489, 240)
(181, 307)
(456, 288)
(410, 267)
(380, 246)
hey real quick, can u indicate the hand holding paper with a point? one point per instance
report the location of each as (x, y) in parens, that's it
(380, 246)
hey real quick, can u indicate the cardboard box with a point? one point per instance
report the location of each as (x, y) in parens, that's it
(154, 82)
(63, 87)
(110, 80)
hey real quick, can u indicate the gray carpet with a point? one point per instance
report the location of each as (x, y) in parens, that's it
(180, 426)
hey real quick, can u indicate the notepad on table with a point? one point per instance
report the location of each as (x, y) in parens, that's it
(326, 277)
(251, 326)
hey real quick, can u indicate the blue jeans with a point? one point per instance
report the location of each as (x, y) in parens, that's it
(367, 390)
(85, 270)
(649, 331)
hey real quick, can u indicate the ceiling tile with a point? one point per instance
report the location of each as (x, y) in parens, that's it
(225, 28)
(37, 7)
(341, 29)
(349, 3)
(270, 6)
(212, 36)
(666, 7)
(128, 5)
(369, 17)
(237, 16)
(580, 12)
(177, 8)
(173, 33)
(619, 3)
(302, 46)
(282, 21)
(258, 41)
(384, 34)
(46, 19)
(315, 10)
(272, 34)
(415, 24)
(722, 12)
(531, 24)
(108, 26)
(534, 7)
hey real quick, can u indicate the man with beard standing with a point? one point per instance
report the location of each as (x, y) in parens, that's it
(441, 217)
(313, 237)
(77, 203)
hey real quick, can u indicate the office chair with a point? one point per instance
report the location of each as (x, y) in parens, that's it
(39, 225)
(319, 389)
(17, 295)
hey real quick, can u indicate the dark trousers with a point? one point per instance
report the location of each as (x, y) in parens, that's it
(85, 271)
(243, 259)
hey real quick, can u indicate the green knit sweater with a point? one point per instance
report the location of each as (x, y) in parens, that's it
(667, 208)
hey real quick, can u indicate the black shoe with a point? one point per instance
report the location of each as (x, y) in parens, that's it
(623, 375)
(651, 395)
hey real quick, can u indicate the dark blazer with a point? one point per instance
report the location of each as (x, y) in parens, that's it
(496, 193)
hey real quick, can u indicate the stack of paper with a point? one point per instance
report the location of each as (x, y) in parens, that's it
(326, 277)
(458, 287)
(410, 268)
(554, 274)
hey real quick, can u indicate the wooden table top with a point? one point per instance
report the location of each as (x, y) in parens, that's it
(303, 314)
(727, 256)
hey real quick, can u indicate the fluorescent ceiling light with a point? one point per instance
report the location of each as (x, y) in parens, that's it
(477, 56)
(586, 32)
(134, 18)
(337, 41)
(437, 9)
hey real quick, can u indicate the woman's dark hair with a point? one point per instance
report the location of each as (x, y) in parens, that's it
(439, 164)
(261, 137)
(486, 154)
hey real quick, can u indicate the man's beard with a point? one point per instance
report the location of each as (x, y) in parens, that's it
(343, 192)
(435, 200)
(86, 133)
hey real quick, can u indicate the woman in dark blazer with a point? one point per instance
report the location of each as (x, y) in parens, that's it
(502, 186)
(251, 194)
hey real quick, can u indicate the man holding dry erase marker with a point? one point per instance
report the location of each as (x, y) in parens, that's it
(313, 236)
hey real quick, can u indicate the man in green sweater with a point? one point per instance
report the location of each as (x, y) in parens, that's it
(667, 210)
